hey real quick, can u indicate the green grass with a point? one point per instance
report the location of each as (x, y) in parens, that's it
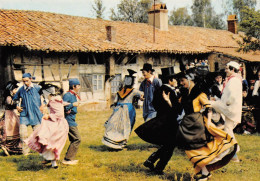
(98, 163)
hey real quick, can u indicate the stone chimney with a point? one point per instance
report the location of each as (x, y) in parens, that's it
(158, 12)
(232, 23)
(111, 33)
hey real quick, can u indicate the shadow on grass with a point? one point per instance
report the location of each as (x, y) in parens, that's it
(138, 168)
(27, 163)
(102, 148)
(141, 146)
(130, 147)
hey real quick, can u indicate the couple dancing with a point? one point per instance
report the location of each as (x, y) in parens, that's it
(206, 146)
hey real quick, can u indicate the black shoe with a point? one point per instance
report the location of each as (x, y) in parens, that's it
(149, 164)
(55, 167)
(44, 162)
(158, 172)
(201, 177)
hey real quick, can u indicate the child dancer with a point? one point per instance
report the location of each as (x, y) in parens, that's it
(50, 138)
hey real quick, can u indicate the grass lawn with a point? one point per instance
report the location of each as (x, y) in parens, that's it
(97, 162)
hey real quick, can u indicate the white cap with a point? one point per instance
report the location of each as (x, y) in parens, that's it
(234, 64)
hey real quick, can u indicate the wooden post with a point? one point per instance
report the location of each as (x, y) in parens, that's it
(211, 62)
(6, 70)
(60, 73)
(110, 71)
(43, 77)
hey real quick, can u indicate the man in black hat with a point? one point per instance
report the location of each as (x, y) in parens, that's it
(162, 129)
(148, 86)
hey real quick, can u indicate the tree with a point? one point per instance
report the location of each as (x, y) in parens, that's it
(204, 15)
(236, 7)
(199, 9)
(250, 24)
(98, 8)
(132, 11)
(180, 16)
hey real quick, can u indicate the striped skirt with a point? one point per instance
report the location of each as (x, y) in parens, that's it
(216, 153)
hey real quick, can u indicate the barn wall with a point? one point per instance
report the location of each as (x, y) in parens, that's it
(58, 68)
(221, 60)
(55, 69)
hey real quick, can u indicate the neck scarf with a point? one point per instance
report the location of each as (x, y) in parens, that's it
(148, 82)
(227, 79)
(74, 93)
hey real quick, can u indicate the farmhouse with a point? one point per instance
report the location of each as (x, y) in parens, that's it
(56, 47)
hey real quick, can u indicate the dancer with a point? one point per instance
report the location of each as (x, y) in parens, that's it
(71, 110)
(230, 104)
(148, 86)
(162, 129)
(120, 124)
(9, 123)
(28, 102)
(206, 146)
(217, 87)
(216, 90)
(50, 137)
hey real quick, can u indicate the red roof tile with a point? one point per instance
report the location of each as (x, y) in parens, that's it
(63, 33)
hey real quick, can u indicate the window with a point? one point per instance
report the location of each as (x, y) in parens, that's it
(115, 83)
(97, 82)
(132, 59)
(86, 82)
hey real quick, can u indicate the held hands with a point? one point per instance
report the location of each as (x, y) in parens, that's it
(142, 98)
(19, 109)
(46, 116)
(212, 98)
(76, 104)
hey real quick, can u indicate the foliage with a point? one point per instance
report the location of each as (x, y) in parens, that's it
(236, 7)
(204, 15)
(250, 24)
(98, 163)
(98, 8)
(131, 11)
(180, 16)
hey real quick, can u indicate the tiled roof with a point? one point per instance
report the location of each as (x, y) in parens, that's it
(63, 33)
(251, 56)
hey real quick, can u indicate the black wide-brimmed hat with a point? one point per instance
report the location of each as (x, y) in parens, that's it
(188, 74)
(147, 67)
(47, 88)
(11, 85)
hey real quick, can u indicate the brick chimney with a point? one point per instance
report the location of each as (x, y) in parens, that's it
(232, 23)
(111, 33)
(160, 16)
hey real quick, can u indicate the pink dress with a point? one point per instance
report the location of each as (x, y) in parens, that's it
(50, 138)
(9, 129)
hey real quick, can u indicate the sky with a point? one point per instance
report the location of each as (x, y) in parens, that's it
(84, 7)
